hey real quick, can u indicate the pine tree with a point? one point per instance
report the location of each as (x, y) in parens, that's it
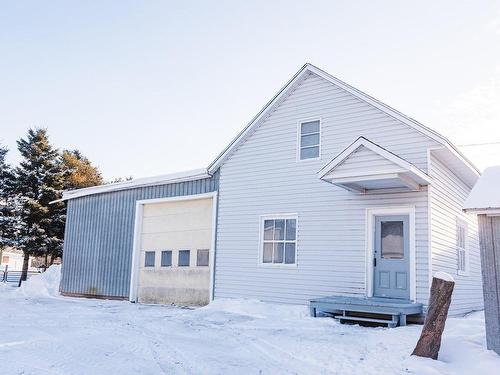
(39, 181)
(79, 171)
(7, 203)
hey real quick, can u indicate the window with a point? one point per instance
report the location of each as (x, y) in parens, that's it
(166, 258)
(202, 258)
(279, 240)
(5, 259)
(392, 238)
(183, 258)
(461, 248)
(309, 140)
(149, 259)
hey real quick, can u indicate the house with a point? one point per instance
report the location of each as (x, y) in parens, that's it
(326, 192)
(12, 259)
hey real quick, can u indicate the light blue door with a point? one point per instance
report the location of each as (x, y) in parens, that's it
(391, 257)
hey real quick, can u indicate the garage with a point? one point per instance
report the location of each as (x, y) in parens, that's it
(173, 251)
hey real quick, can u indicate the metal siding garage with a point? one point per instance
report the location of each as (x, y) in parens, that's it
(180, 225)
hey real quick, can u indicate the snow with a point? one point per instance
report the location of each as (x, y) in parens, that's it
(44, 333)
(485, 194)
(44, 285)
(444, 276)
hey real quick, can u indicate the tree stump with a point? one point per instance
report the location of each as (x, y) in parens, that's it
(439, 302)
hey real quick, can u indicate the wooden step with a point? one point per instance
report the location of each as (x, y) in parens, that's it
(390, 323)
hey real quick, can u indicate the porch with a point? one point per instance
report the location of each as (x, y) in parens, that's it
(388, 311)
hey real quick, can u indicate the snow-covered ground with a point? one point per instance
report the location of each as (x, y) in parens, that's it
(42, 333)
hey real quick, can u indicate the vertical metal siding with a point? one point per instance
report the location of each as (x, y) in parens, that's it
(100, 232)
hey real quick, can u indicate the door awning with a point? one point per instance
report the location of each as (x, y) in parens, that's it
(365, 167)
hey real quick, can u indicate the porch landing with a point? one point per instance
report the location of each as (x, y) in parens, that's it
(366, 310)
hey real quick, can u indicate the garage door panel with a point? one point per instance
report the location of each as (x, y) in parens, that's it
(178, 222)
(196, 206)
(190, 240)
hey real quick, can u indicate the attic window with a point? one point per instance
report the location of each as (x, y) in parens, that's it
(309, 139)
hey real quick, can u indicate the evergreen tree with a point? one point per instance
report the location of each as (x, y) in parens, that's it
(7, 203)
(79, 171)
(39, 181)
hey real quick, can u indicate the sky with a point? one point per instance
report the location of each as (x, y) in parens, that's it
(146, 88)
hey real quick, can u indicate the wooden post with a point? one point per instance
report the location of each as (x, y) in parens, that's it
(439, 302)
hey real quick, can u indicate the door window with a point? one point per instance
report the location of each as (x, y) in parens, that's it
(392, 246)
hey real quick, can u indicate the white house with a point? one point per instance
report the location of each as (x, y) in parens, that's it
(326, 192)
(371, 202)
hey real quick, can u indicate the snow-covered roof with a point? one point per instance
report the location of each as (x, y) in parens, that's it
(194, 174)
(485, 195)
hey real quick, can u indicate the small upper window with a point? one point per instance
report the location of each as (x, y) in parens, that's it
(279, 240)
(461, 248)
(166, 258)
(149, 259)
(309, 142)
(202, 258)
(183, 258)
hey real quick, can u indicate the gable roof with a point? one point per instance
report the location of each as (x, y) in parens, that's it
(297, 78)
(350, 150)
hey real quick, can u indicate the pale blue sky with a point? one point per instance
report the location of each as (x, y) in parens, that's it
(151, 87)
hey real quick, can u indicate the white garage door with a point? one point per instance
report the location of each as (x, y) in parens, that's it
(175, 252)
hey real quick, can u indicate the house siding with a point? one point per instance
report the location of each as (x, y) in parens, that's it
(99, 236)
(448, 194)
(263, 176)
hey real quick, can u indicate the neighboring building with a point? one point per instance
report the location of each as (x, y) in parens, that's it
(326, 192)
(11, 258)
(484, 200)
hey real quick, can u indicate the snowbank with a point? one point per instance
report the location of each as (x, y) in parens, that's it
(255, 308)
(43, 285)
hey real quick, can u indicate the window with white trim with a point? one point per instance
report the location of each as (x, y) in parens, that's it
(279, 240)
(309, 139)
(461, 248)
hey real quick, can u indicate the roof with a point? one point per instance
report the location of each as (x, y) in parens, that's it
(138, 182)
(309, 68)
(485, 195)
(452, 156)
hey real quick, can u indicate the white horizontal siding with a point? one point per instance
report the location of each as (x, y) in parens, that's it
(448, 194)
(263, 177)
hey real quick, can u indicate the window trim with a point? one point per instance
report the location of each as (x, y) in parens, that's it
(463, 224)
(299, 126)
(284, 216)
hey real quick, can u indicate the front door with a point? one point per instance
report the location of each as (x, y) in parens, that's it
(391, 257)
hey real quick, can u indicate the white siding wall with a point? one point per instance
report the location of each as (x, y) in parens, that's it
(263, 177)
(448, 194)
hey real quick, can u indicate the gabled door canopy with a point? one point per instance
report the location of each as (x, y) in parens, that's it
(365, 167)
